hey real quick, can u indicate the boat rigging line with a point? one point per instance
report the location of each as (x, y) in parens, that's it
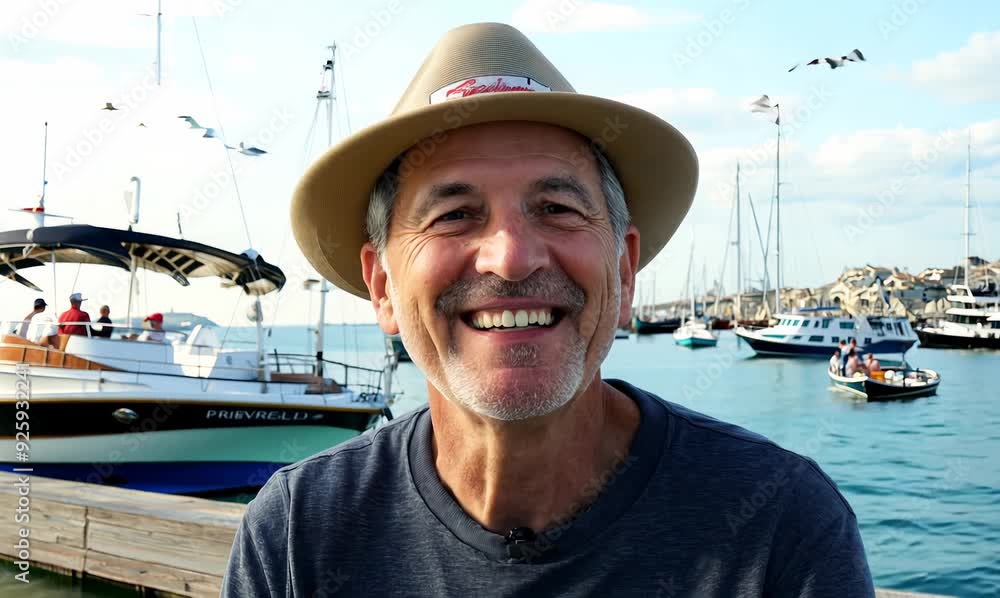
(222, 129)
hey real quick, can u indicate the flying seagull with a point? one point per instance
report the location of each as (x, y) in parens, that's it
(143, 125)
(108, 106)
(193, 124)
(249, 151)
(765, 105)
(854, 56)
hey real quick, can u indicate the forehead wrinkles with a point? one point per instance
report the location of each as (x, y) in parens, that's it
(467, 168)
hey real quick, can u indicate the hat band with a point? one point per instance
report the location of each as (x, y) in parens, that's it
(485, 84)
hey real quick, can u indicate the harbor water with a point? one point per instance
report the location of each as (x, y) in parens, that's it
(922, 475)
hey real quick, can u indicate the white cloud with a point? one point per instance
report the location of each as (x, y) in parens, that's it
(964, 75)
(674, 100)
(563, 16)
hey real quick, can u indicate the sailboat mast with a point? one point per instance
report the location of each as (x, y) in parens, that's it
(159, 28)
(777, 248)
(739, 254)
(45, 178)
(324, 289)
(968, 191)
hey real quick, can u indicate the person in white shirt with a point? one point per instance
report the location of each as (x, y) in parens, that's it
(40, 306)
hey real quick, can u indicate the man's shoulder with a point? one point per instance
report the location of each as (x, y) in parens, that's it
(707, 448)
(348, 472)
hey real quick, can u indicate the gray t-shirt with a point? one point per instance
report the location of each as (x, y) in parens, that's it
(697, 508)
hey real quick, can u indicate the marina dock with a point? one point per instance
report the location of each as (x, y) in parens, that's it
(168, 544)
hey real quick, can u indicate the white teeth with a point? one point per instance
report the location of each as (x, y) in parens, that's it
(512, 319)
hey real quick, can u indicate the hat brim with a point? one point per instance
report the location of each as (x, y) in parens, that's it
(657, 167)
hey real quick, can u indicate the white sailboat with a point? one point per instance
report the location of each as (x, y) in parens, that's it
(694, 332)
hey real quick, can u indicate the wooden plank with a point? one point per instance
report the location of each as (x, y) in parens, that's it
(152, 575)
(69, 558)
(164, 526)
(49, 520)
(181, 551)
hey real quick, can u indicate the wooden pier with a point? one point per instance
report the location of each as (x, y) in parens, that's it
(171, 545)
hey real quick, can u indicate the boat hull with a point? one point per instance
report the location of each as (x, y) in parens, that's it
(694, 342)
(874, 390)
(170, 446)
(930, 339)
(661, 327)
(770, 348)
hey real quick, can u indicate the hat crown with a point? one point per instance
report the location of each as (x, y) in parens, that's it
(479, 58)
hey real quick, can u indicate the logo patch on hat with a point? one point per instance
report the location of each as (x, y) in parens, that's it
(486, 84)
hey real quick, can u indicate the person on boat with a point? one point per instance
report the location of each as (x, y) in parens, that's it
(842, 351)
(504, 212)
(155, 333)
(39, 307)
(853, 364)
(75, 316)
(835, 362)
(105, 329)
(871, 363)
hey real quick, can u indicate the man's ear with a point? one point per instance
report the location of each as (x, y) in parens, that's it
(377, 281)
(628, 264)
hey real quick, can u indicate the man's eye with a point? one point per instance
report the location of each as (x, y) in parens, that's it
(555, 208)
(451, 216)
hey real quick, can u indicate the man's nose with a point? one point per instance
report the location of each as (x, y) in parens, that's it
(513, 251)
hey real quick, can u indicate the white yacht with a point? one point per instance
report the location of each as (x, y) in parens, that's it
(187, 415)
(816, 332)
(972, 322)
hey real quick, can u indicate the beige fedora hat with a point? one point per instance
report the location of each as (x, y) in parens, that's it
(480, 73)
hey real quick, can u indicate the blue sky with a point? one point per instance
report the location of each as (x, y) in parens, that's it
(893, 127)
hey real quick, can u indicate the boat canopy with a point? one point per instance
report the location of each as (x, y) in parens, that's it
(177, 258)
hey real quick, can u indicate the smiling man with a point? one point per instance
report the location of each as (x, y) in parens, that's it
(500, 219)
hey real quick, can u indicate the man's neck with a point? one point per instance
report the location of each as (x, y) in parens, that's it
(532, 473)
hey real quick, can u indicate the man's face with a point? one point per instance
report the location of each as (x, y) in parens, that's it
(104, 312)
(75, 304)
(502, 273)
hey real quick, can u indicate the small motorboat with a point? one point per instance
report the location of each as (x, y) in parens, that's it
(890, 383)
(621, 333)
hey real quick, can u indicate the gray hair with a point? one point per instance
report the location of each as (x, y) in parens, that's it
(384, 194)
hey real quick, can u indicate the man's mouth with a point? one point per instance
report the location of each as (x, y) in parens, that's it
(501, 319)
